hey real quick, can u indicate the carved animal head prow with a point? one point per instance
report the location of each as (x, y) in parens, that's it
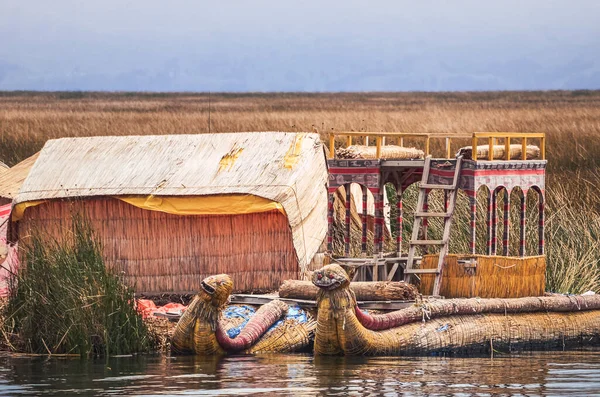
(216, 289)
(331, 277)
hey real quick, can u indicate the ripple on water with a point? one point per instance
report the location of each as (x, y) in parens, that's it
(545, 373)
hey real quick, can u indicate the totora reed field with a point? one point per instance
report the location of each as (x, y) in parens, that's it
(571, 120)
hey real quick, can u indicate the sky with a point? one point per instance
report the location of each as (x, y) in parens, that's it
(268, 45)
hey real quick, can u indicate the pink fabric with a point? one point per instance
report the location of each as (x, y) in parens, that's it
(9, 261)
(147, 308)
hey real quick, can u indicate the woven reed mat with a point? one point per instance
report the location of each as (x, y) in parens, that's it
(516, 152)
(387, 152)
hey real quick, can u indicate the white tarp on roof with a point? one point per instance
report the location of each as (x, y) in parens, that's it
(288, 168)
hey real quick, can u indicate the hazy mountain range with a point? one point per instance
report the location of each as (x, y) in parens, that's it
(315, 46)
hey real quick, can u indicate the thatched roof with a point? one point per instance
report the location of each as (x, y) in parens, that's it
(12, 178)
(288, 168)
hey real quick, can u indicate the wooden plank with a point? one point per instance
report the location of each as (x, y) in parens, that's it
(403, 163)
(434, 186)
(264, 299)
(508, 134)
(428, 242)
(433, 214)
(331, 146)
(421, 271)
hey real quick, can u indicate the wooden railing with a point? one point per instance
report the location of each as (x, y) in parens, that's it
(507, 136)
(380, 140)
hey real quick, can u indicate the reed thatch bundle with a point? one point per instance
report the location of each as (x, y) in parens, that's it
(364, 291)
(387, 152)
(451, 307)
(11, 179)
(489, 277)
(516, 152)
(160, 252)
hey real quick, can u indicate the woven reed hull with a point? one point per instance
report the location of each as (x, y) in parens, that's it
(159, 252)
(493, 277)
(460, 334)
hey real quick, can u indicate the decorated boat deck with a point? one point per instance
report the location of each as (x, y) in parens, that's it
(506, 162)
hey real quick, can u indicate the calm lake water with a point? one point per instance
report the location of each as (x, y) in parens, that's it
(545, 373)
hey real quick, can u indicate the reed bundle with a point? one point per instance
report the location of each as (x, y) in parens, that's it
(159, 252)
(456, 326)
(516, 152)
(288, 336)
(387, 152)
(364, 291)
(490, 277)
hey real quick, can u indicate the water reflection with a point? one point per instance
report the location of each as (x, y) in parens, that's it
(547, 373)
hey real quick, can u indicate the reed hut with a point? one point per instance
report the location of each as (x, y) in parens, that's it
(11, 179)
(171, 210)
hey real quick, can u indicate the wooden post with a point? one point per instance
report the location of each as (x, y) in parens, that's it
(473, 203)
(367, 140)
(543, 147)
(490, 148)
(402, 141)
(378, 150)
(524, 149)
(427, 146)
(331, 146)
(349, 140)
(507, 148)
(378, 243)
(400, 221)
(494, 222)
(506, 231)
(541, 225)
(474, 148)
(330, 222)
(425, 221)
(522, 231)
(364, 220)
(347, 224)
(490, 210)
(448, 149)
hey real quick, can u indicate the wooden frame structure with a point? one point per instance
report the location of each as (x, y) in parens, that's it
(499, 176)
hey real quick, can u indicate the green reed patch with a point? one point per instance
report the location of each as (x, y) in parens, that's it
(65, 300)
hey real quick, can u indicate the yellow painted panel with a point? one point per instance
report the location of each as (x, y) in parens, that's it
(218, 204)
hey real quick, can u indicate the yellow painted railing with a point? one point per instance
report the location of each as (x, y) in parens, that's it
(380, 140)
(507, 136)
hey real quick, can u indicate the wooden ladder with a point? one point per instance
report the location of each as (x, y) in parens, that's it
(420, 214)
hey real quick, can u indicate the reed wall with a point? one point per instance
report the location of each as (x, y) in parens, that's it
(491, 277)
(159, 252)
